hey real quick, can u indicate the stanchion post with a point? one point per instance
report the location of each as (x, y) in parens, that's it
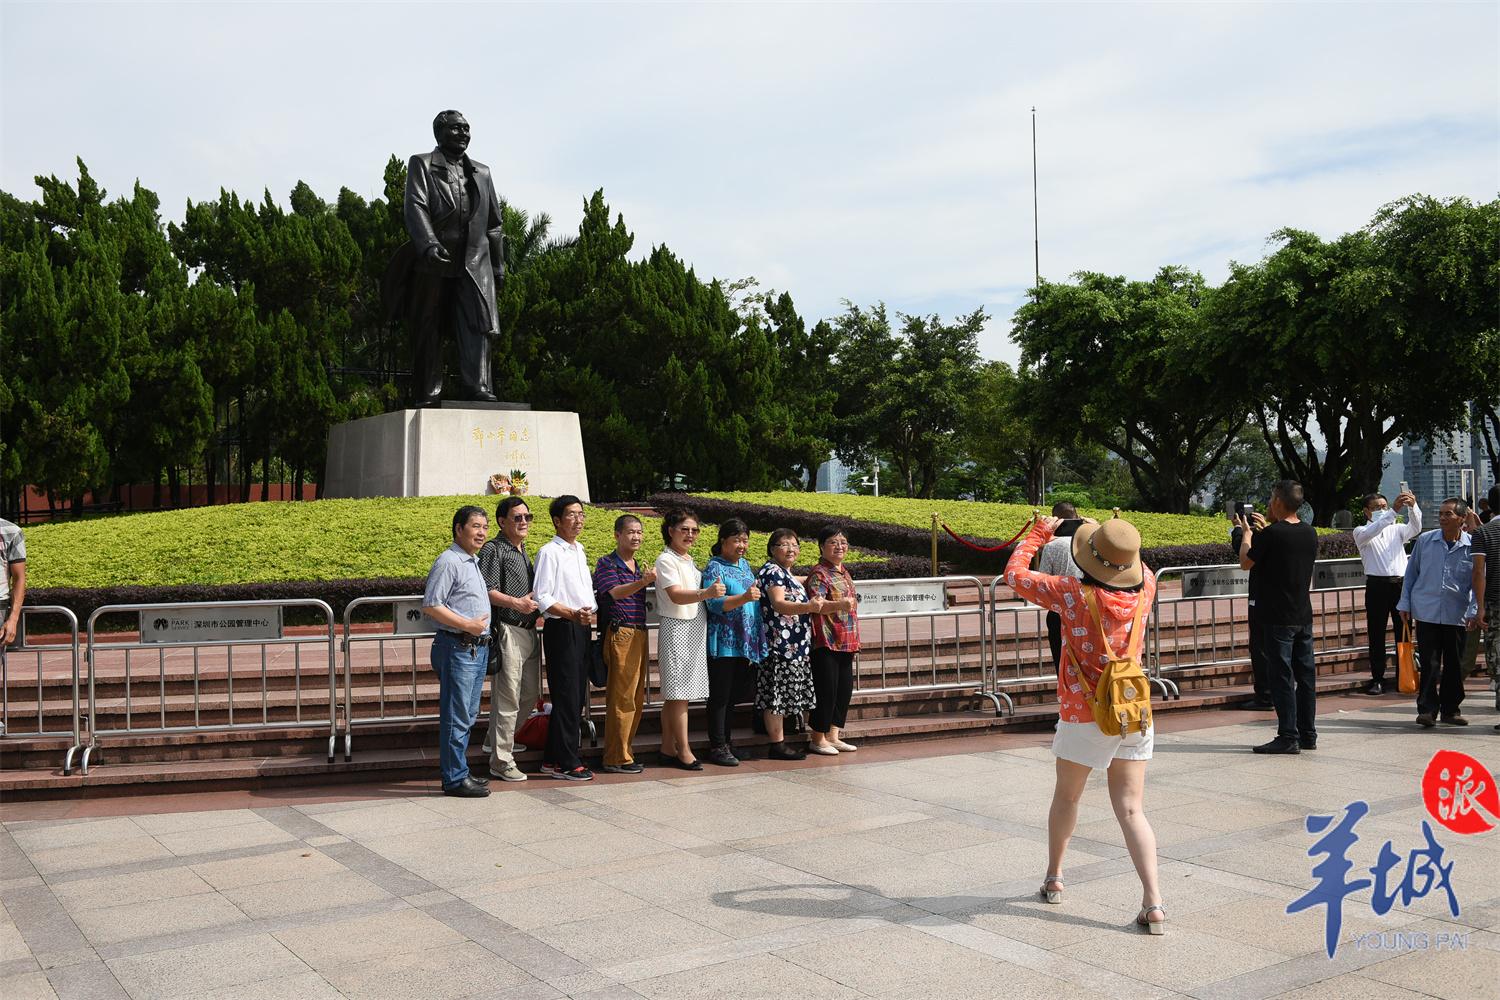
(934, 545)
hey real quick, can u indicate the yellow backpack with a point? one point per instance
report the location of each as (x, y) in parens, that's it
(1121, 701)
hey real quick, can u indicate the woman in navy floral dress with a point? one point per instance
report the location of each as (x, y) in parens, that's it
(785, 685)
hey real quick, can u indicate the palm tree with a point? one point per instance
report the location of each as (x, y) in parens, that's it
(526, 239)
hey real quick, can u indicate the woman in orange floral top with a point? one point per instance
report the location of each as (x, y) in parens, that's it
(1110, 557)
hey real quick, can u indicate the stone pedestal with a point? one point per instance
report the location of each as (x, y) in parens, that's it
(453, 450)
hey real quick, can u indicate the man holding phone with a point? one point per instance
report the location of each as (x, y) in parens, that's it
(1382, 548)
(1260, 672)
(1279, 551)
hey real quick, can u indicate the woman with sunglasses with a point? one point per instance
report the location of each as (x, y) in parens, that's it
(682, 647)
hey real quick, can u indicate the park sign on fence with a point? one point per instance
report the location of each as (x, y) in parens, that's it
(407, 618)
(210, 623)
(1331, 574)
(902, 597)
(1215, 581)
(1231, 581)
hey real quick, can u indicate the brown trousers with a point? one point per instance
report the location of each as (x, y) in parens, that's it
(625, 695)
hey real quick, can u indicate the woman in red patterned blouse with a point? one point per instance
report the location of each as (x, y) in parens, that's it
(1110, 558)
(835, 640)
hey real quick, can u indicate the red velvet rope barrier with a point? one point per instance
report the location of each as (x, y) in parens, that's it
(981, 548)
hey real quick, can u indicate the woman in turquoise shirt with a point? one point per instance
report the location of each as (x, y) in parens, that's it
(736, 640)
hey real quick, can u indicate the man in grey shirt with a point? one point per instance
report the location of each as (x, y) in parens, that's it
(12, 579)
(1056, 559)
(457, 600)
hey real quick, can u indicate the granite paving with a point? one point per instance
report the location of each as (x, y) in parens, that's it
(894, 875)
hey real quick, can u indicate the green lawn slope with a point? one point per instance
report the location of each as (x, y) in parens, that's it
(290, 541)
(983, 520)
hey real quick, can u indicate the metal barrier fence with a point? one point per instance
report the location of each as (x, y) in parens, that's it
(1018, 654)
(39, 654)
(1216, 631)
(920, 634)
(161, 636)
(932, 601)
(406, 632)
(934, 661)
(405, 649)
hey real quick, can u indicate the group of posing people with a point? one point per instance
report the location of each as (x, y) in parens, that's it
(728, 633)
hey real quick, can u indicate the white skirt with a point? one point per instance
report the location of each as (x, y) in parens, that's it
(682, 654)
(1084, 743)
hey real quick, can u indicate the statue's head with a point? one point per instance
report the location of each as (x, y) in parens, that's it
(452, 132)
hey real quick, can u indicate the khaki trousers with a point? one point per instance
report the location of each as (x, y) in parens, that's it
(625, 695)
(516, 685)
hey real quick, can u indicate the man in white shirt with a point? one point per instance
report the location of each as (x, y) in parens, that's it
(1382, 547)
(564, 592)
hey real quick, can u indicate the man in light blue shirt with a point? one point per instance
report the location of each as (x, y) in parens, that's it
(1438, 592)
(458, 602)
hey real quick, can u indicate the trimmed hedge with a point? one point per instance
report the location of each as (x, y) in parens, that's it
(952, 557)
(84, 601)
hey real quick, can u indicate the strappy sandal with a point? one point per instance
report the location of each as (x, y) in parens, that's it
(1143, 919)
(1052, 895)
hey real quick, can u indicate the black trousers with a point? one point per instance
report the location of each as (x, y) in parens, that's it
(1054, 638)
(1440, 689)
(833, 682)
(440, 308)
(1294, 689)
(1381, 595)
(730, 680)
(565, 647)
(1260, 666)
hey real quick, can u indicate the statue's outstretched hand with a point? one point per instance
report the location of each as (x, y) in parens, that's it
(438, 253)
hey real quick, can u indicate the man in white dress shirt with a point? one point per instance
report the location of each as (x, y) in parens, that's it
(1382, 546)
(564, 592)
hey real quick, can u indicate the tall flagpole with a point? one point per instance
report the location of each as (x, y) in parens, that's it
(1036, 246)
(1035, 230)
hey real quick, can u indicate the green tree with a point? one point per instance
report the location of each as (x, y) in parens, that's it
(903, 396)
(1123, 362)
(1002, 437)
(65, 316)
(1345, 347)
(800, 389)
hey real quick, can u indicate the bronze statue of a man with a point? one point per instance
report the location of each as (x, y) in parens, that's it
(445, 279)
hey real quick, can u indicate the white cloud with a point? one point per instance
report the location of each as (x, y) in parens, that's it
(868, 152)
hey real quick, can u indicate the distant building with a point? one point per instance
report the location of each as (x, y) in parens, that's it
(1436, 467)
(1393, 470)
(833, 477)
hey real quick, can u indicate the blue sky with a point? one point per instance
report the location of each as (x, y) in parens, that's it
(861, 152)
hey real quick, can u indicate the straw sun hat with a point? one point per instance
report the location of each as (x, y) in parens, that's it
(1109, 552)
